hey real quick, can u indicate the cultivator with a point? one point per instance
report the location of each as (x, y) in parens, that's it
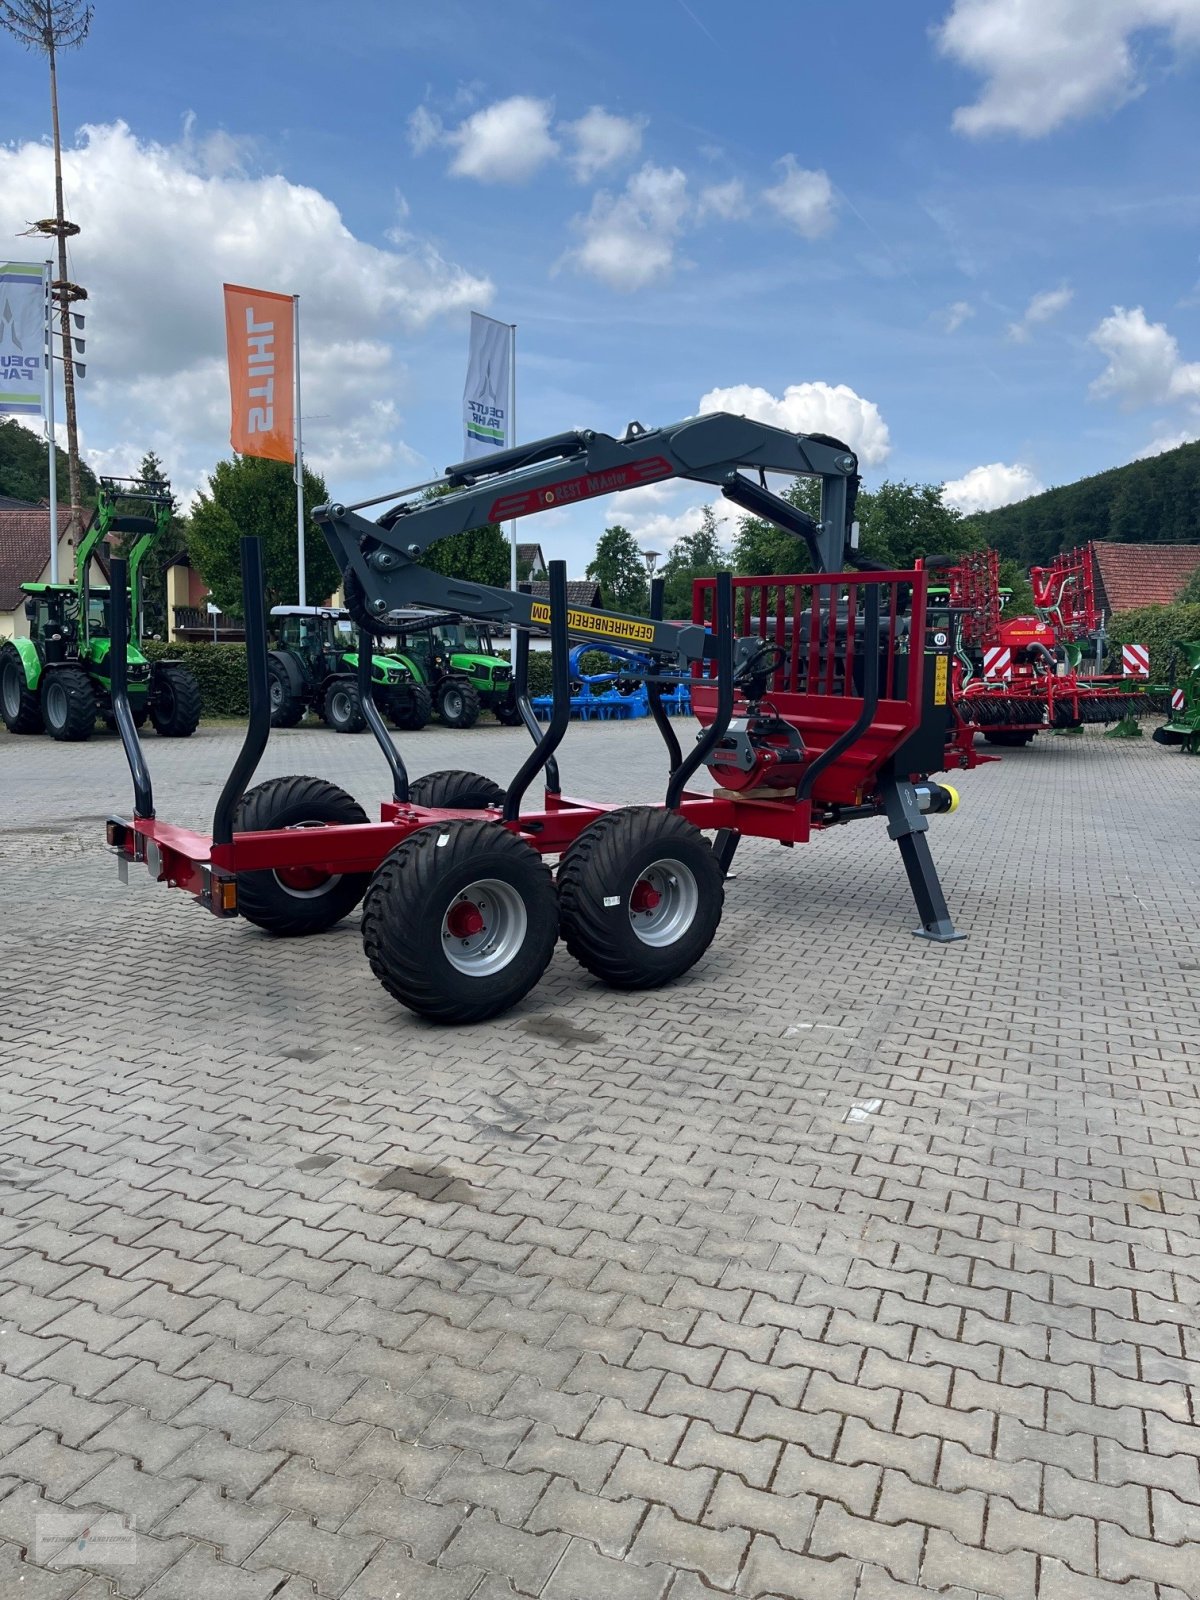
(1015, 677)
(823, 699)
(1182, 726)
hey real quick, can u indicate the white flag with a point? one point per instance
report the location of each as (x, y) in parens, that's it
(22, 337)
(486, 395)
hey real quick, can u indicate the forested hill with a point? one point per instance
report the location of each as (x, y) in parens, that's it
(1156, 501)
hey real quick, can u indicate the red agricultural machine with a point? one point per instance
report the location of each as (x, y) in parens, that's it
(1018, 676)
(823, 699)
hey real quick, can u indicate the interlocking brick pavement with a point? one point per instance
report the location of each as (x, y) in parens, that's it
(611, 1297)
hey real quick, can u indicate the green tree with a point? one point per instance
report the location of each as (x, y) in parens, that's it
(25, 467)
(1189, 595)
(250, 495)
(160, 554)
(1014, 577)
(901, 521)
(693, 555)
(478, 555)
(760, 548)
(620, 571)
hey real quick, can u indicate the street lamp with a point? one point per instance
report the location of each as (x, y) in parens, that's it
(650, 557)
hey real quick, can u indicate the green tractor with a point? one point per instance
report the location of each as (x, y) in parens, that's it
(454, 659)
(1183, 725)
(57, 680)
(312, 667)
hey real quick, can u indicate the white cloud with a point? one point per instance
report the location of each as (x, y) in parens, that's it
(156, 363)
(725, 200)
(1144, 364)
(1168, 441)
(658, 530)
(953, 316)
(811, 408)
(628, 240)
(985, 488)
(1042, 308)
(802, 198)
(424, 130)
(601, 139)
(504, 143)
(1046, 62)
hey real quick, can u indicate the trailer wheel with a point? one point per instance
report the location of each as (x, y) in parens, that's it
(460, 921)
(457, 703)
(343, 708)
(640, 895)
(287, 708)
(291, 901)
(455, 791)
(18, 703)
(415, 712)
(68, 704)
(175, 703)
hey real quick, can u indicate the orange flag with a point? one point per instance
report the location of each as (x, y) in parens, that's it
(259, 337)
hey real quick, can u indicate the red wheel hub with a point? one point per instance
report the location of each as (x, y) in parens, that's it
(464, 920)
(645, 896)
(301, 877)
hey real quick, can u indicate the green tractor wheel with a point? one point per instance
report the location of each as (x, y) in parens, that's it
(174, 703)
(18, 703)
(417, 712)
(68, 704)
(287, 708)
(457, 703)
(507, 714)
(343, 708)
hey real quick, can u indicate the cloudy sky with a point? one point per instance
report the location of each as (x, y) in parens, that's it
(961, 234)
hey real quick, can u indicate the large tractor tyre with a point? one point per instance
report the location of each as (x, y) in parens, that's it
(175, 703)
(414, 712)
(455, 791)
(457, 703)
(18, 702)
(343, 709)
(1009, 740)
(460, 921)
(507, 714)
(640, 895)
(68, 704)
(291, 901)
(287, 707)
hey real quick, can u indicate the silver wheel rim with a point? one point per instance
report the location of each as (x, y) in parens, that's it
(452, 704)
(488, 950)
(674, 910)
(11, 687)
(341, 706)
(276, 694)
(319, 889)
(56, 704)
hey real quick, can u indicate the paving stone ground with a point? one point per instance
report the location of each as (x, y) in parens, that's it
(850, 1266)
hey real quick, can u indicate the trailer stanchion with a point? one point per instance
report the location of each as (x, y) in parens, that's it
(366, 699)
(717, 729)
(520, 671)
(258, 728)
(560, 711)
(654, 689)
(118, 659)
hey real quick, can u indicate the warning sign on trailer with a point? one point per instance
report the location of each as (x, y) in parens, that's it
(597, 624)
(941, 669)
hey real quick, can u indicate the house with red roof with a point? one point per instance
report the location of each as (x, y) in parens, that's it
(1127, 576)
(25, 557)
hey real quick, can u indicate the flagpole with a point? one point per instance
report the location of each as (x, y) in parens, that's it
(299, 466)
(47, 274)
(511, 440)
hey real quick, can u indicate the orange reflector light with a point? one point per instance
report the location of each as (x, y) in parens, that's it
(225, 895)
(111, 832)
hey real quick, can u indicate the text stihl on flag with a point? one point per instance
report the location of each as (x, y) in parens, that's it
(259, 337)
(486, 394)
(22, 337)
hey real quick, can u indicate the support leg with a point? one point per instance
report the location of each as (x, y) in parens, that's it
(724, 846)
(908, 826)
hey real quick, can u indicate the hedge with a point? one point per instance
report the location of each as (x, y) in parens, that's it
(220, 670)
(1159, 627)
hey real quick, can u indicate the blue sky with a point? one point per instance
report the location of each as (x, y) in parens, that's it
(910, 221)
